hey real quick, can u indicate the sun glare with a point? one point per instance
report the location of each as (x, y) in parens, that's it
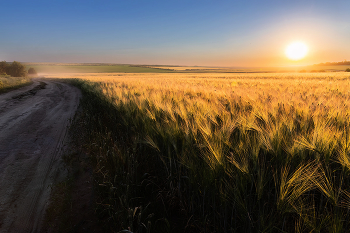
(296, 51)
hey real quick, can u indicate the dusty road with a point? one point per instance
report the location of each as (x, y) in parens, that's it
(33, 127)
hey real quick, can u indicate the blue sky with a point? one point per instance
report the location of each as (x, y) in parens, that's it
(217, 33)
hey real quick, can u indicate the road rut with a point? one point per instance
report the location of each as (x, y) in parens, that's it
(33, 127)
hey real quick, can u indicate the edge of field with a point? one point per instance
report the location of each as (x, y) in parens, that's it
(75, 203)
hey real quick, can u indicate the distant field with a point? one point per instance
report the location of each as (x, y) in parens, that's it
(49, 68)
(198, 69)
(328, 68)
(91, 68)
(106, 77)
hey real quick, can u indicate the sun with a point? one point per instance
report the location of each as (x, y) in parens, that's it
(296, 50)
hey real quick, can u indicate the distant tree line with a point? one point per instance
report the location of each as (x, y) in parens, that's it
(15, 69)
(345, 62)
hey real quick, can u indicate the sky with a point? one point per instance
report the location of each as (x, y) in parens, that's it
(241, 33)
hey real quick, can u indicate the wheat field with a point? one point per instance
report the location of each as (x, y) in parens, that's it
(220, 152)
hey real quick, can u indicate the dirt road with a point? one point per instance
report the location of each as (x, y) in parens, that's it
(33, 127)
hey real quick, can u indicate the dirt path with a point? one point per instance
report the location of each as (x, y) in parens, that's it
(33, 126)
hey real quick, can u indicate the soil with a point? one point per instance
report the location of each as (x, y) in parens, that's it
(33, 132)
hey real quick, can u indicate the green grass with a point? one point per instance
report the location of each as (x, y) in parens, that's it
(8, 83)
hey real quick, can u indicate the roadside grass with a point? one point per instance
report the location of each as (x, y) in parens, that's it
(8, 83)
(219, 152)
(56, 217)
(72, 207)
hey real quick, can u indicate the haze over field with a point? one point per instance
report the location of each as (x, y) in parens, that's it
(206, 33)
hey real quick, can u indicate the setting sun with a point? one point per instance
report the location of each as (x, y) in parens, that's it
(296, 51)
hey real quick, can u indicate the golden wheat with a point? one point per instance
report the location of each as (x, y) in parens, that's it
(254, 142)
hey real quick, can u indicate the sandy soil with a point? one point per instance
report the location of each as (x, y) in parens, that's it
(33, 127)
